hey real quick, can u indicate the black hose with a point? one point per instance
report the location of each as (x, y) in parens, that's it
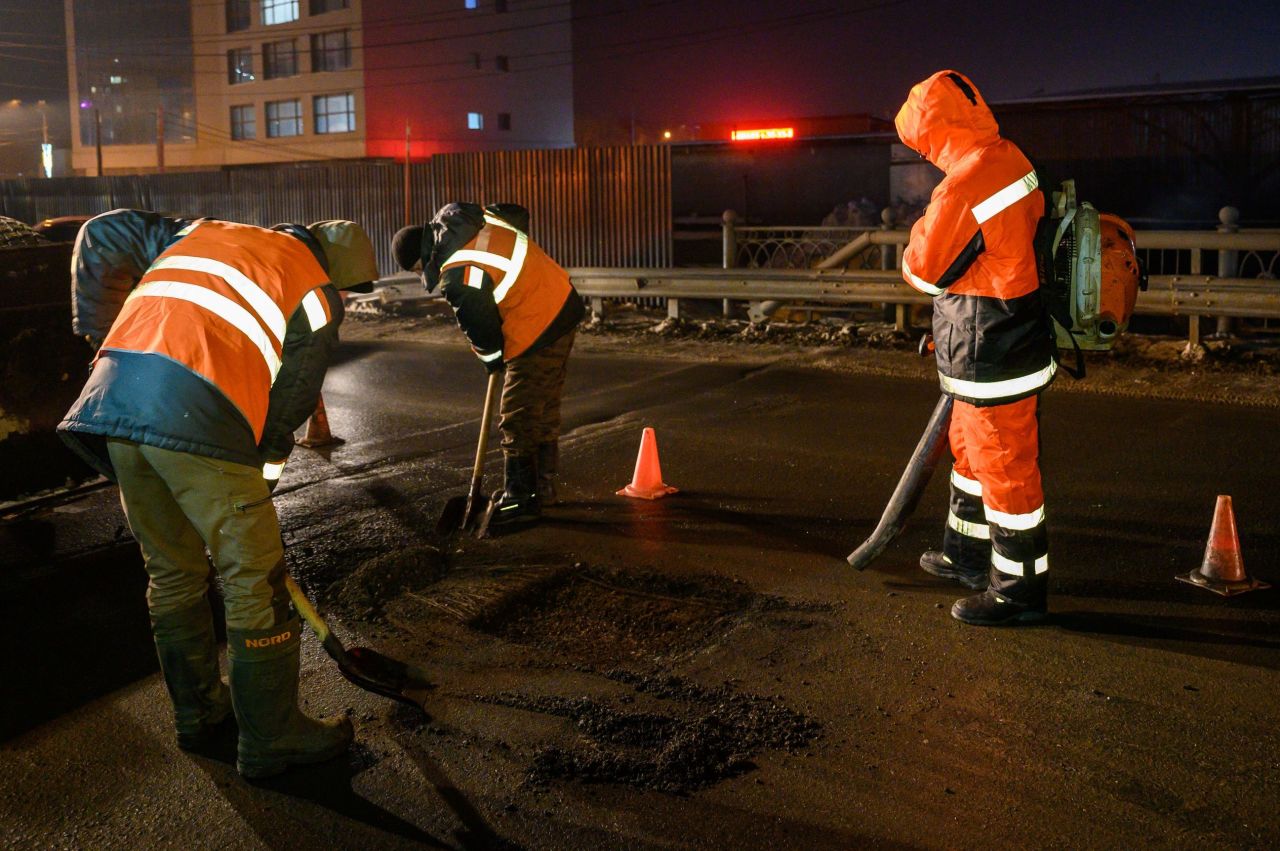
(912, 484)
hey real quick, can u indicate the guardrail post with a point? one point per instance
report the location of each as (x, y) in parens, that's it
(1228, 261)
(729, 247)
(673, 308)
(597, 309)
(888, 221)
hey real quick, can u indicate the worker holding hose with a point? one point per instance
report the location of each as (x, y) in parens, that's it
(212, 341)
(972, 251)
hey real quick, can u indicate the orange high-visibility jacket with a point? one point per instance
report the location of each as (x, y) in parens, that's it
(218, 302)
(530, 289)
(972, 250)
(220, 348)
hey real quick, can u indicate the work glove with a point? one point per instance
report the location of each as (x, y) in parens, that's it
(271, 472)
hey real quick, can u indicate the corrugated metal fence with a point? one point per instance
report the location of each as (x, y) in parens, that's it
(588, 206)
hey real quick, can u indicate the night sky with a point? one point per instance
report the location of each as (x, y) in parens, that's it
(725, 60)
(688, 61)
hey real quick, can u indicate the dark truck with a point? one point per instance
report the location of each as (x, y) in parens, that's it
(43, 364)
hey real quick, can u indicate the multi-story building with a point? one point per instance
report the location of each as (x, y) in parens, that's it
(255, 81)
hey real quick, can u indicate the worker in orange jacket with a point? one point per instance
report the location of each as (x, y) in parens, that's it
(972, 251)
(519, 311)
(213, 339)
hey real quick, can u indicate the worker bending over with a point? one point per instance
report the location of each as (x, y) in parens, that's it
(518, 309)
(213, 339)
(972, 251)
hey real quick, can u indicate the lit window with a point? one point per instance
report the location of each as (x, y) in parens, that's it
(319, 7)
(240, 65)
(115, 79)
(279, 11)
(504, 121)
(470, 4)
(475, 121)
(237, 15)
(244, 124)
(334, 113)
(330, 51)
(284, 118)
(279, 59)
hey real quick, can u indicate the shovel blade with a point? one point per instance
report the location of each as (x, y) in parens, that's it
(475, 512)
(380, 674)
(453, 516)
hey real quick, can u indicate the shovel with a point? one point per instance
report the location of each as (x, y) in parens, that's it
(461, 513)
(366, 668)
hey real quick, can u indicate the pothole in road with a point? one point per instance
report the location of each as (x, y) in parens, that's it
(604, 619)
(678, 737)
(381, 579)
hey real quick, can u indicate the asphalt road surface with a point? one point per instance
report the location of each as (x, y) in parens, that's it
(700, 671)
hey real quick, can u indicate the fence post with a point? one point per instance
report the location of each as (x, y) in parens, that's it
(729, 249)
(1228, 261)
(901, 312)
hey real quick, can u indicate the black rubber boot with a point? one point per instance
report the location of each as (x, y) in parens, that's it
(188, 657)
(1007, 601)
(939, 564)
(274, 733)
(518, 502)
(548, 467)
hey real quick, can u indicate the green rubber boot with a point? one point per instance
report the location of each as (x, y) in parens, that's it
(188, 657)
(274, 733)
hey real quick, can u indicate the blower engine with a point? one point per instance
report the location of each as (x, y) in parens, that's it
(1090, 273)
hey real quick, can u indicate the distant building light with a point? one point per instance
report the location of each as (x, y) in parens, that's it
(470, 4)
(86, 104)
(116, 79)
(475, 121)
(46, 159)
(666, 134)
(763, 133)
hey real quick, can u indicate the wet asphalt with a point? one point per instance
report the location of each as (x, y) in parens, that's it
(1143, 712)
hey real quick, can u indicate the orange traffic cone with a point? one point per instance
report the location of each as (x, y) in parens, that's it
(1223, 569)
(318, 433)
(646, 482)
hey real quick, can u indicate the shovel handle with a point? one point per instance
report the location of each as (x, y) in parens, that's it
(332, 644)
(482, 445)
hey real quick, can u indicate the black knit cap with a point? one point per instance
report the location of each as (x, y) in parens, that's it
(412, 244)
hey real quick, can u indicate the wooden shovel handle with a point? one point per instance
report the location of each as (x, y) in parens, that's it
(482, 445)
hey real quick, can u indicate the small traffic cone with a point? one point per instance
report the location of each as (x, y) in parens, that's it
(318, 433)
(646, 482)
(1223, 569)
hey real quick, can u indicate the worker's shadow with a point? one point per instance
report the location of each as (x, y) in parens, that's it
(326, 785)
(1247, 642)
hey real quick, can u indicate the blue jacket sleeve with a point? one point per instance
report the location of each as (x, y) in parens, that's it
(112, 252)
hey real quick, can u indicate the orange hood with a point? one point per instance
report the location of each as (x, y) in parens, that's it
(945, 118)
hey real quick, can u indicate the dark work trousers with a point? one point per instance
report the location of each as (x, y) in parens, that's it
(531, 397)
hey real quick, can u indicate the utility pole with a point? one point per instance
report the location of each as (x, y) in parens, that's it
(408, 204)
(97, 136)
(46, 159)
(160, 139)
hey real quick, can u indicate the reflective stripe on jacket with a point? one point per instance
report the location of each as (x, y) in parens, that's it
(218, 302)
(972, 250)
(529, 288)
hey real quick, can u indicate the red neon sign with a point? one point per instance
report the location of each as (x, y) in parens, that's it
(763, 133)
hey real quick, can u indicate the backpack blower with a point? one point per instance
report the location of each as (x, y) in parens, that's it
(1090, 274)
